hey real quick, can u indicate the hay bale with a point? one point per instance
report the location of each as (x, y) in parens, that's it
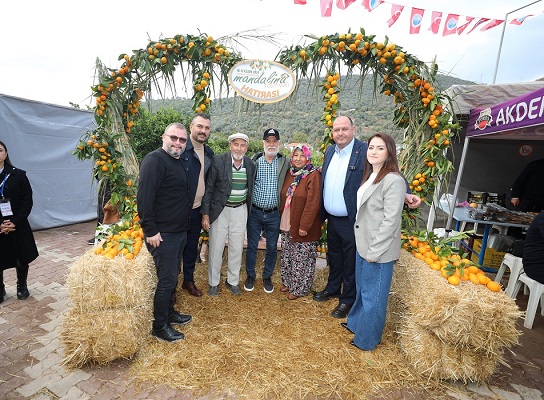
(103, 336)
(446, 331)
(433, 358)
(97, 283)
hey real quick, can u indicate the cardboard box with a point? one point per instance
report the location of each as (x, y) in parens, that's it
(492, 258)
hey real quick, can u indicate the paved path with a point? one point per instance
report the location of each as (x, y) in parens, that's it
(31, 352)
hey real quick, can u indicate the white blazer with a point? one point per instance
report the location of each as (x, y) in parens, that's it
(377, 227)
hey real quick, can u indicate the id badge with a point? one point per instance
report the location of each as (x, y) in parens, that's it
(5, 208)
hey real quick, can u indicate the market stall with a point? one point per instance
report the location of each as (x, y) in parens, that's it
(489, 160)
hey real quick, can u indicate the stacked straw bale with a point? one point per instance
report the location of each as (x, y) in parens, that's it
(449, 332)
(110, 311)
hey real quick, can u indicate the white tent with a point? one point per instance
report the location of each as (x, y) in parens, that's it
(40, 138)
(488, 163)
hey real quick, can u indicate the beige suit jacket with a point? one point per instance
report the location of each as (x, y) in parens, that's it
(377, 227)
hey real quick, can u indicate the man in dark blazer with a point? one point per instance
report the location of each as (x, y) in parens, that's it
(343, 169)
(200, 157)
(225, 208)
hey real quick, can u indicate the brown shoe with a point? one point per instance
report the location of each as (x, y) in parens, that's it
(191, 288)
(284, 289)
(292, 296)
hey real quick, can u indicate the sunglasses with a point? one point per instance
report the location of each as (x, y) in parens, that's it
(175, 139)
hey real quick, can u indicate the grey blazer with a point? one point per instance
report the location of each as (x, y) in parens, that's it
(377, 226)
(219, 185)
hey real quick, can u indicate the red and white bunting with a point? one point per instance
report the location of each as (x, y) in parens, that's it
(396, 10)
(436, 20)
(450, 27)
(415, 20)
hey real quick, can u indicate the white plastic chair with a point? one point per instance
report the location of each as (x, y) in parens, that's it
(515, 264)
(536, 295)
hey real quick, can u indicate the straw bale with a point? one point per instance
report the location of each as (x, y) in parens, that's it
(433, 358)
(96, 283)
(103, 336)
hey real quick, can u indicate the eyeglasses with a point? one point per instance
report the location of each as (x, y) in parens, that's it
(175, 139)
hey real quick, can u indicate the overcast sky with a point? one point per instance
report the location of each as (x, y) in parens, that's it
(49, 48)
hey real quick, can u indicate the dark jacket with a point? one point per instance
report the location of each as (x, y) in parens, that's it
(194, 165)
(529, 187)
(305, 206)
(163, 193)
(533, 251)
(354, 175)
(283, 166)
(219, 185)
(18, 245)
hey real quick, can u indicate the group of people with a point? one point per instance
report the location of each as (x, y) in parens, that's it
(184, 187)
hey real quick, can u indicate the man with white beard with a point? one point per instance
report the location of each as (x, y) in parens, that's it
(264, 215)
(225, 208)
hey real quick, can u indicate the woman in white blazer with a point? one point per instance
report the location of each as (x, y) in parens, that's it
(377, 236)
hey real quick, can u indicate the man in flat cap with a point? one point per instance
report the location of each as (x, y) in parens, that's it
(265, 216)
(225, 208)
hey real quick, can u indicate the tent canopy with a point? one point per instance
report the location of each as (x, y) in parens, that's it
(487, 163)
(522, 116)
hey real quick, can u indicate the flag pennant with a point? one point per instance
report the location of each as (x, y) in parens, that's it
(491, 24)
(477, 24)
(300, 2)
(520, 20)
(436, 19)
(371, 4)
(450, 27)
(343, 4)
(396, 10)
(461, 28)
(415, 20)
(326, 8)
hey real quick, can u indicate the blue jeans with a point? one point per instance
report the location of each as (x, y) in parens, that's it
(270, 222)
(367, 315)
(167, 258)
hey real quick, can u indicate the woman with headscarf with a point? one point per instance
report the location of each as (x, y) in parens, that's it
(300, 224)
(17, 245)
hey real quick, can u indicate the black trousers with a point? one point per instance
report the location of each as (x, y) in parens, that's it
(190, 253)
(341, 256)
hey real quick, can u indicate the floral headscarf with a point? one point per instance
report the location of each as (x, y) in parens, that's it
(299, 173)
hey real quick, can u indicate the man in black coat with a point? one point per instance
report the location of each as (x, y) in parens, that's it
(528, 188)
(200, 156)
(164, 208)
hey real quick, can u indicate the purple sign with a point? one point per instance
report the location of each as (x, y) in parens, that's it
(520, 112)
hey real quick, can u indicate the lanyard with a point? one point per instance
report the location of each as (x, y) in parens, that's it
(2, 185)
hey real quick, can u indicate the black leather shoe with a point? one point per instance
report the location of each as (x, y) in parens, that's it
(167, 334)
(324, 295)
(22, 291)
(341, 311)
(345, 325)
(180, 319)
(191, 288)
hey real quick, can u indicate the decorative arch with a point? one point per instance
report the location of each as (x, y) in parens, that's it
(420, 108)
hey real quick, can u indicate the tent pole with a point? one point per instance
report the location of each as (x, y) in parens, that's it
(458, 182)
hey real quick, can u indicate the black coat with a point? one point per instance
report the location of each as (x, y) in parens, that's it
(18, 245)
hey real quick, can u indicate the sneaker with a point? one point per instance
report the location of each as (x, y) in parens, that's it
(268, 286)
(90, 242)
(213, 291)
(233, 288)
(250, 283)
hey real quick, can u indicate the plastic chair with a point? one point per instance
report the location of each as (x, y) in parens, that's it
(536, 295)
(515, 264)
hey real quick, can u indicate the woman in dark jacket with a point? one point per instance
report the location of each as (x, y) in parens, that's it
(17, 245)
(300, 224)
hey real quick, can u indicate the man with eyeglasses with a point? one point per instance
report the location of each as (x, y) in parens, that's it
(164, 208)
(201, 157)
(271, 169)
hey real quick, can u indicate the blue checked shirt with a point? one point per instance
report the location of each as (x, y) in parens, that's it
(265, 191)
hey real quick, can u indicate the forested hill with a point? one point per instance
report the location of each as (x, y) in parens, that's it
(299, 116)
